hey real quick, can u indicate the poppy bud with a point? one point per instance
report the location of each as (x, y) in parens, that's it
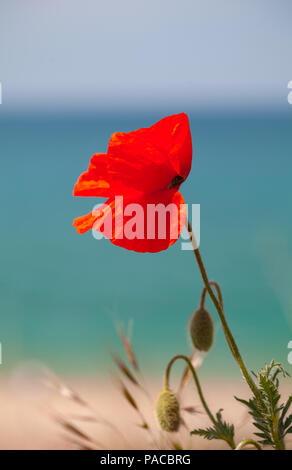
(201, 329)
(167, 410)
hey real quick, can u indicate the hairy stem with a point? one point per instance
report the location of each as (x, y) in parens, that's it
(247, 442)
(200, 392)
(279, 444)
(228, 335)
(219, 293)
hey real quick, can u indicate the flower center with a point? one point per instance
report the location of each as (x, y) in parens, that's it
(177, 180)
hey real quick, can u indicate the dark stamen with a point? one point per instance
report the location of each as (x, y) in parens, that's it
(177, 180)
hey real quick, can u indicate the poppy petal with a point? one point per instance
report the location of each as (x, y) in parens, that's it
(140, 162)
(84, 223)
(173, 135)
(108, 176)
(161, 151)
(102, 179)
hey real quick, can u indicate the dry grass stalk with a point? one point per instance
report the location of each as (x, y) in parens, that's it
(128, 349)
(84, 441)
(124, 369)
(77, 432)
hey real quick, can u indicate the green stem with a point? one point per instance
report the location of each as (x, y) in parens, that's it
(219, 293)
(247, 442)
(229, 337)
(200, 392)
(279, 444)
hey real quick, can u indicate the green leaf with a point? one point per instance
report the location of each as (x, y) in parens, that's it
(209, 433)
(220, 431)
(268, 410)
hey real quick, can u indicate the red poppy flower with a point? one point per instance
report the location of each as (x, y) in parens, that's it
(141, 172)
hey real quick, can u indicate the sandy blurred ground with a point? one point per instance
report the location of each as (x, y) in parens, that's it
(27, 414)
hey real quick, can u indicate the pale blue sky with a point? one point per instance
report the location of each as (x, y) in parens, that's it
(112, 53)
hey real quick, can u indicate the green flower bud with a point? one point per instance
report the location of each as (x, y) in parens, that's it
(167, 410)
(201, 329)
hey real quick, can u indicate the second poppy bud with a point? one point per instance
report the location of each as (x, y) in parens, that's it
(201, 328)
(167, 410)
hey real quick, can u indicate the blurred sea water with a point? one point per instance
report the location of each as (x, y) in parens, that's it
(61, 293)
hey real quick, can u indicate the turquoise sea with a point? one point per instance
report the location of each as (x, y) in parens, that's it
(61, 293)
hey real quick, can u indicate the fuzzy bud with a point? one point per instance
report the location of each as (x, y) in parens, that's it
(167, 410)
(201, 329)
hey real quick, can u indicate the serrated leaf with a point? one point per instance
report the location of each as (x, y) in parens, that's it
(208, 433)
(261, 427)
(220, 431)
(268, 411)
